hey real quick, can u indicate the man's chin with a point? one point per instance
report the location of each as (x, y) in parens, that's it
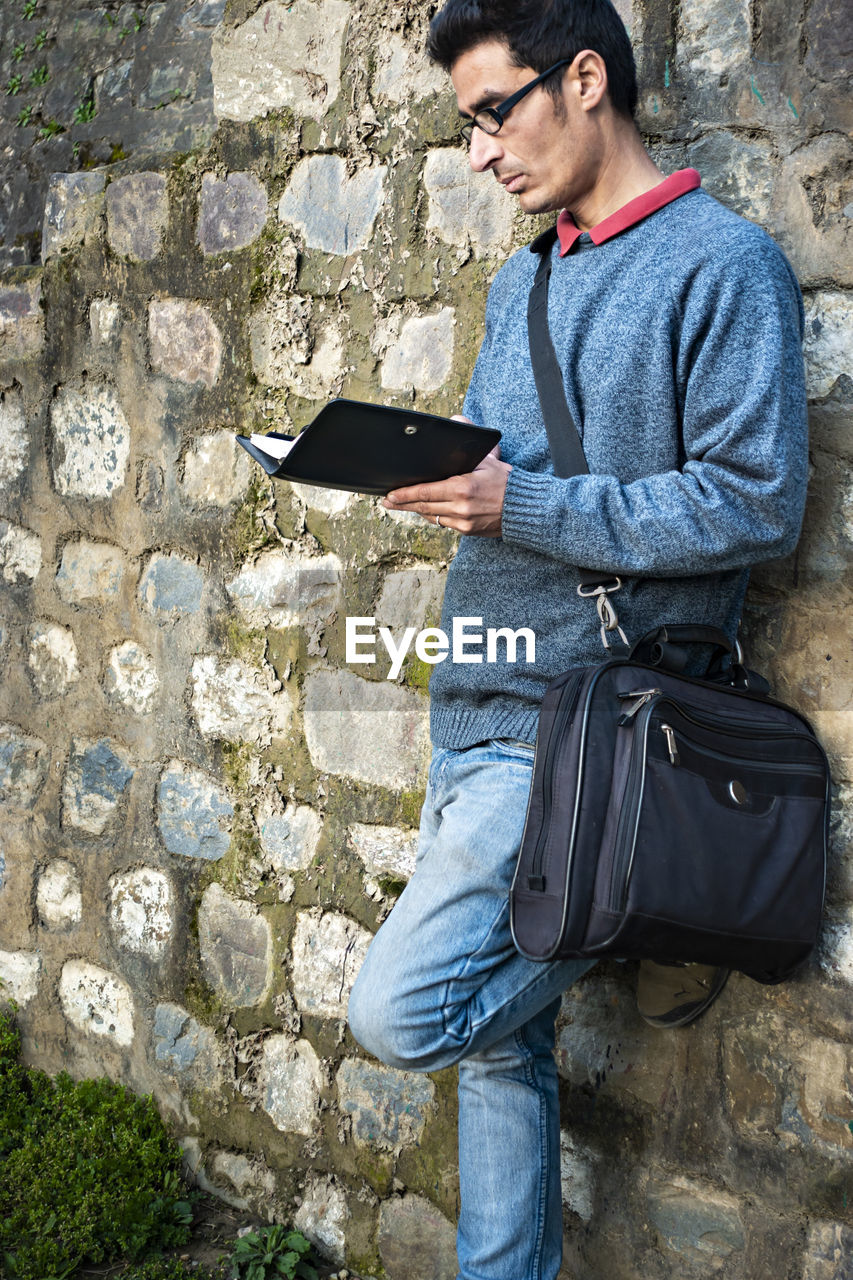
(535, 202)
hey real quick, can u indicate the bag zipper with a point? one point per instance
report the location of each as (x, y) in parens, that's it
(755, 764)
(568, 703)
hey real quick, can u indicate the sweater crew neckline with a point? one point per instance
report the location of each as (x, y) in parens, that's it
(677, 184)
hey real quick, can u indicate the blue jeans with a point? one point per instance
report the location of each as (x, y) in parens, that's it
(443, 984)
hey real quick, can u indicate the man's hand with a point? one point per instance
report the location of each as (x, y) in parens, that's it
(471, 503)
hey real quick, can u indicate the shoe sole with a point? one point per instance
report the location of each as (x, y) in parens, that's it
(670, 1020)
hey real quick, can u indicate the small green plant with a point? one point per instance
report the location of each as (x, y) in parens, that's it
(167, 1269)
(14, 85)
(19, 52)
(41, 39)
(41, 75)
(25, 115)
(51, 128)
(138, 21)
(271, 1252)
(124, 33)
(86, 111)
(29, 9)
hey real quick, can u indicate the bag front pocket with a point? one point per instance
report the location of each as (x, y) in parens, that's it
(727, 836)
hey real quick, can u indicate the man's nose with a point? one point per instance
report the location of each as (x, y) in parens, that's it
(483, 150)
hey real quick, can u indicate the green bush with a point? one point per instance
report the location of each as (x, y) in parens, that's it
(87, 1172)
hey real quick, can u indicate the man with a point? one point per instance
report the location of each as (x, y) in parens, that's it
(678, 329)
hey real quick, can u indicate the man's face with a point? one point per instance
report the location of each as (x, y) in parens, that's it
(545, 156)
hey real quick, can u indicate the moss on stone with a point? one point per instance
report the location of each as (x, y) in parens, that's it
(411, 803)
(250, 531)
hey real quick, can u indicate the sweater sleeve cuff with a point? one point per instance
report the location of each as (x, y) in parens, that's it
(524, 509)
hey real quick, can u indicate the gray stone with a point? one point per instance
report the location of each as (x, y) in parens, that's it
(91, 442)
(403, 71)
(385, 851)
(289, 839)
(167, 85)
(104, 319)
(21, 320)
(96, 1002)
(24, 763)
(416, 1242)
(343, 712)
(389, 1108)
(739, 172)
(696, 1222)
(467, 207)
(254, 1183)
(193, 813)
(52, 660)
(291, 1081)
(297, 345)
(112, 85)
(327, 952)
(137, 215)
(216, 470)
(186, 344)
(829, 1252)
(236, 948)
(714, 38)
(237, 702)
(131, 677)
(171, 586)
(184, 1046)
(828, 340)
(73, 209)
(3, 876)
(282, 56)
(89, 572)
(281, 589)
(233, 212)
(422, 354)
(96, 778)
(14, 438)
(322, 1217)
(600, 1042)
(836, 944)
(20, 553)
(142, 911)
(334, 212)
(411, 597)
(204, 13)
(59, 901)
(577, 1178)
(19, 976)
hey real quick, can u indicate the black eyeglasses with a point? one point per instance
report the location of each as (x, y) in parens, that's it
(491, 119)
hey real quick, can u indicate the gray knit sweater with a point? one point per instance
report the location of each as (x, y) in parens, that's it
(680, 344)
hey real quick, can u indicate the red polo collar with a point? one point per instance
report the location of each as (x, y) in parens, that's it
(677, 184)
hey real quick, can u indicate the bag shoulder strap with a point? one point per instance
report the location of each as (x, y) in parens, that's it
(564, 439)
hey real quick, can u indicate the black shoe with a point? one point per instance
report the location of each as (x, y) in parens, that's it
(672, 995)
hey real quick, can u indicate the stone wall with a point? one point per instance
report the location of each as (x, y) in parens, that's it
(206, 811)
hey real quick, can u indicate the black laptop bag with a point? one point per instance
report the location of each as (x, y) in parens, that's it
(670, 818)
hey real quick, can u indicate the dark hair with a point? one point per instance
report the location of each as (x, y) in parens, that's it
(539, 33)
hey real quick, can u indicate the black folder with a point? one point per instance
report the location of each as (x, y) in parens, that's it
(373, 448)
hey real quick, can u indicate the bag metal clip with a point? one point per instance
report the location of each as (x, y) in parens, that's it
(606, 612)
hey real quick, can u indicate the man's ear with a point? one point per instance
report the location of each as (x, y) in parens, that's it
(588, 73)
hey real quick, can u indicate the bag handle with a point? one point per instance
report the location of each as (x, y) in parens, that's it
(665, 648)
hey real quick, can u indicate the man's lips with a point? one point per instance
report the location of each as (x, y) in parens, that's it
(509, 182)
